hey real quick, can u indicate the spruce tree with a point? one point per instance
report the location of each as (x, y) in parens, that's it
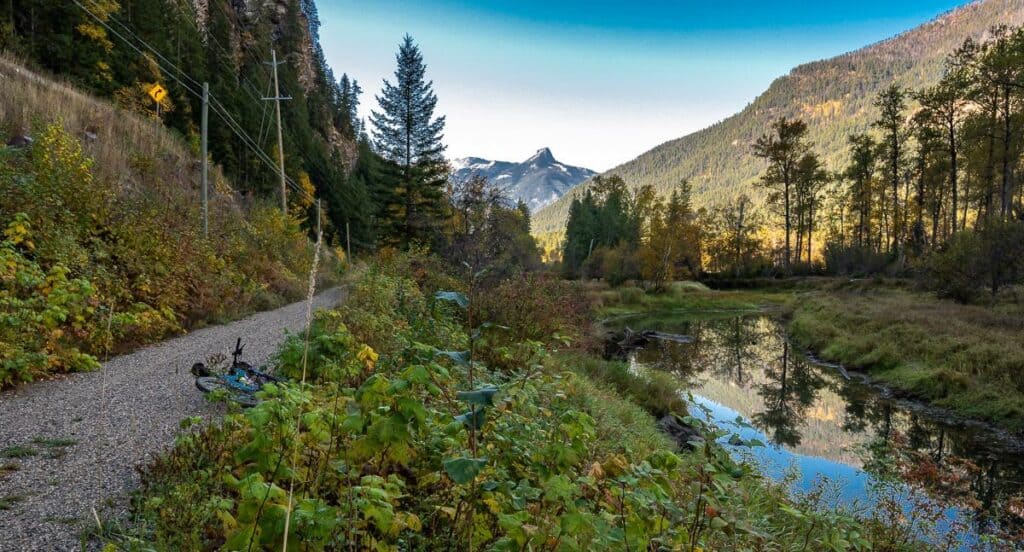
(407, 134)
(348, 107)
(580, 232)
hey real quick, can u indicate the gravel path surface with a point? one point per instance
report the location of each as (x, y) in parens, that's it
(72, 444)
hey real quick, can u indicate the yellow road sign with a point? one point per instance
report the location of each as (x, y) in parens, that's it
(158, 93)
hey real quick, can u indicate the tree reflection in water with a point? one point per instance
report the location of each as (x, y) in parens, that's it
(747, 365)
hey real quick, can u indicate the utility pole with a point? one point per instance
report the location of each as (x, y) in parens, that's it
(206, 162)
(318, 217)
(280, 141)
(348, 243)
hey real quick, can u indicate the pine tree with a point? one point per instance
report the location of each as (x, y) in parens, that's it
(348, 106)
(892, 102)
(407, 134)
(860, 172)
(580, 234)
(783, 150)
(67, 40)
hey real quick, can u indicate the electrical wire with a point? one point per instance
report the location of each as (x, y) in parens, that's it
(217, 107)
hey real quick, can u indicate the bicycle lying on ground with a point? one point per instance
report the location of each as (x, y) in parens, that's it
(240, 381)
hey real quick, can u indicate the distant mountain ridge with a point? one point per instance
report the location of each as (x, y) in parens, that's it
(538, 181)
(833, 96)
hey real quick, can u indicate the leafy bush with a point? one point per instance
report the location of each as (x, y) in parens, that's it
(851, 260)
(955, 272)
(43, 311)
(536, 307)
(377, 459)
(126, 261)
(971, 261)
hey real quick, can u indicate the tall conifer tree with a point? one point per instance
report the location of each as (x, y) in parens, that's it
(407, 134)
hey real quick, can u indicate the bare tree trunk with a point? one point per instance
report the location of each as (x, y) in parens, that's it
(789, 225)
(951, 125)
(1007, 137)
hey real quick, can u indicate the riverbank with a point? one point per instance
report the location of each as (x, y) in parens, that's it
(965, 358)
(558, 458)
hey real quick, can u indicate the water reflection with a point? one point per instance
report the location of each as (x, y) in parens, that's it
(843, 429)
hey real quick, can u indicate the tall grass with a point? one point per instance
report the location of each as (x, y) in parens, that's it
(967, 358)
(115, 138)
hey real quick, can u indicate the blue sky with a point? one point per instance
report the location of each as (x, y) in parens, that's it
(598, 82)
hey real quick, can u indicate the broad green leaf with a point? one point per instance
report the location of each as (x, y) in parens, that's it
(456, 297)
(472, 421)
(463, 470)
(483, 396)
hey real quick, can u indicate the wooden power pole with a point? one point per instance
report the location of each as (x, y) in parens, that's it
(206, 162)
(280, 141)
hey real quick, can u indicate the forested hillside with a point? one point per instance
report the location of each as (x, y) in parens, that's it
(118, 49)
(833, 96)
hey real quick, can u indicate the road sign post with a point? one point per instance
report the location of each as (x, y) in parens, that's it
(158, 93)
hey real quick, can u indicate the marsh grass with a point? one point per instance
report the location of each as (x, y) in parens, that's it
(658, 393)
(622, 425)
(964, 357)
(687, 296)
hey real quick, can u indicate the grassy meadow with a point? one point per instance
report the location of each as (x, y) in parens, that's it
(968, 358)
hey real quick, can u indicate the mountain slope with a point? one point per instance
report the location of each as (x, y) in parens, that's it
(833, 96)
(538, 181)
(117, 50)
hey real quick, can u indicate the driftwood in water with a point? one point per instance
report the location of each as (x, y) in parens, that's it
(619, 345)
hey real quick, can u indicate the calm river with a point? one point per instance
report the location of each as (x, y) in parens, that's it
(841, 437)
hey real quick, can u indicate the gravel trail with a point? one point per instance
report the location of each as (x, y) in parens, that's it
(72, 444)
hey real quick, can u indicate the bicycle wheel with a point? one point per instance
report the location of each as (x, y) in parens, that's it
(211, 384)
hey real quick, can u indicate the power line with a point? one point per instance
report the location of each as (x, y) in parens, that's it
(130, 43)
(218, 107)
(155, 52)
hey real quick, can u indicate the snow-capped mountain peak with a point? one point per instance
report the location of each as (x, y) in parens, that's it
(538, 181)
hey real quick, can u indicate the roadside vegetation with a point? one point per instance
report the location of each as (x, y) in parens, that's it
(102, 247)
(450, 432)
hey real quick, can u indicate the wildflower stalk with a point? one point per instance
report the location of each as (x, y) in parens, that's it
(305, 357)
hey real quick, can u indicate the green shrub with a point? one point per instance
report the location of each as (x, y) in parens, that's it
(631, 295)
(536, 307)
(90, 274)
(376, 453)
(42, 312)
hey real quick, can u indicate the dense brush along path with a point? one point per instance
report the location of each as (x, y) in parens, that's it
(71, 445)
